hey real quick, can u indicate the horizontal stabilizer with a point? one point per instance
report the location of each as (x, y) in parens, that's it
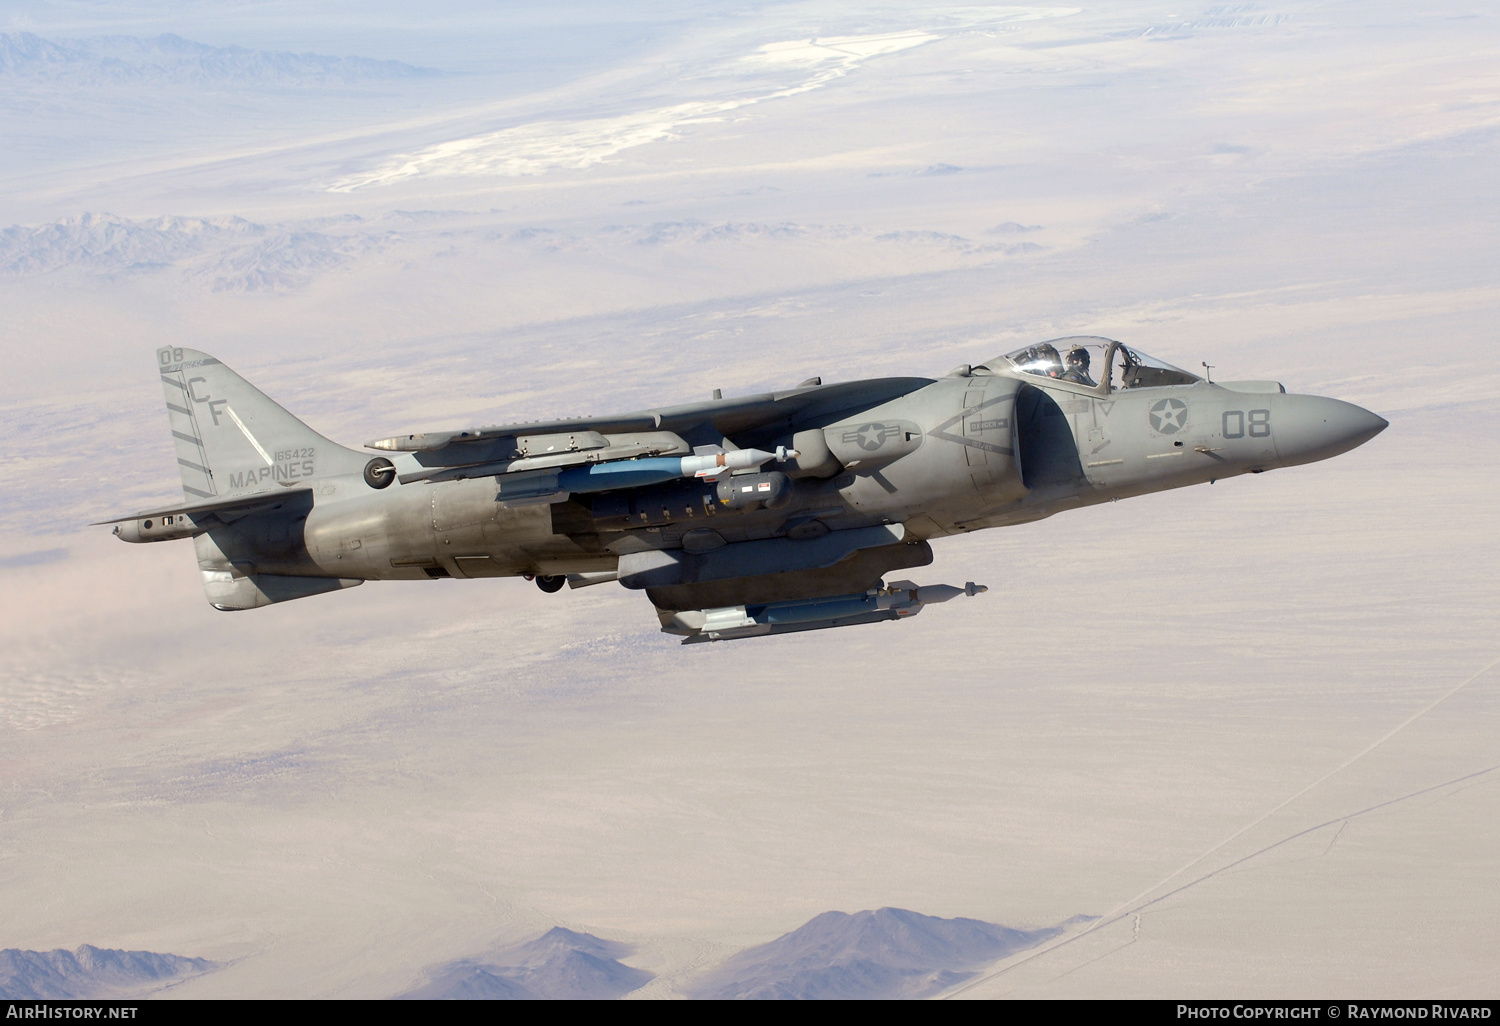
(262, 500)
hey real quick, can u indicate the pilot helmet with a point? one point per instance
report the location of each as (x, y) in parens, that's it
(1078, 357)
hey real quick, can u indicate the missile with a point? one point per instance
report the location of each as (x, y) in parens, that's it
(555, 485)
(714, 464)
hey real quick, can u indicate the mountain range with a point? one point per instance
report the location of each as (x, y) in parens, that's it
(172, 60)
(91, 972)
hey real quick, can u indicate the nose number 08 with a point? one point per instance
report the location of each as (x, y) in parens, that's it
(1235, 423)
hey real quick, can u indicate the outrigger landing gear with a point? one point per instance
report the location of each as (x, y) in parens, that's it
(551, 584)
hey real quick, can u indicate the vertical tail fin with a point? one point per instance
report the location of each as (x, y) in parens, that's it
(233, 440)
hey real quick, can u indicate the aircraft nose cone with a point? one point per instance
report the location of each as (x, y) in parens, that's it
(1309, 428)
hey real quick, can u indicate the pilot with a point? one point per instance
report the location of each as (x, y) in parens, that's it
(1078, 366)
(1128, 366)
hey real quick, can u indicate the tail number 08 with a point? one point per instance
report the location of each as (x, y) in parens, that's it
(1235, 423)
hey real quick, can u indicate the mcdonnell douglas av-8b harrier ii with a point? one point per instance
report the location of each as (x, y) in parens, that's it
(738, 517)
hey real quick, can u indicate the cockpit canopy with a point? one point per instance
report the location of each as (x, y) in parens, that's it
(1082, 359)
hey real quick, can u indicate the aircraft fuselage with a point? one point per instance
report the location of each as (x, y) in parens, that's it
(865, 475)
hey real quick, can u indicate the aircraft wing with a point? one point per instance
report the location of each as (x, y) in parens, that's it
(726, 417)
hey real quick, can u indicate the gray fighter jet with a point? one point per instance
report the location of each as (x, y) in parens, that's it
(738, 517)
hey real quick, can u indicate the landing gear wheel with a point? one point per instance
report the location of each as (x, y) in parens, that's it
(551, 585)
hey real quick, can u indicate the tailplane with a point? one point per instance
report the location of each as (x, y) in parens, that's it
(232, 439)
